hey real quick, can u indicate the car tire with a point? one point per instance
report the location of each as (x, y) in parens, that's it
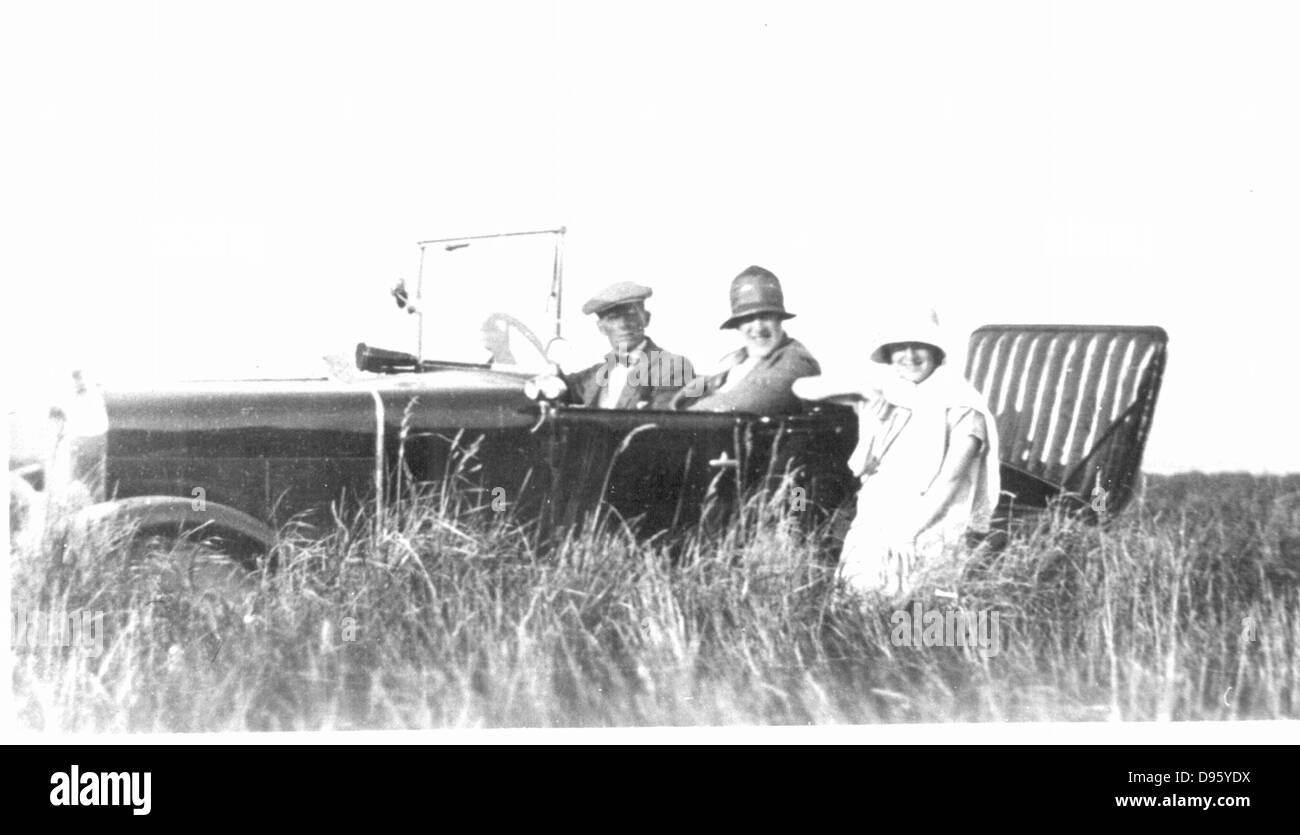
(192, 562)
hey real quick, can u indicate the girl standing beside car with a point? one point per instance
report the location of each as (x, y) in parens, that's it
(927, 459)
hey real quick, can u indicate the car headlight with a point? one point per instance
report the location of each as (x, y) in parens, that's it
(545, 387)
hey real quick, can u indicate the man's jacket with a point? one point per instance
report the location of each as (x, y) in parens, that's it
(654, 377)
(765, 390)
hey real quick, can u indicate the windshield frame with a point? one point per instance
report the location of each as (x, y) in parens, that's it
(449, 244)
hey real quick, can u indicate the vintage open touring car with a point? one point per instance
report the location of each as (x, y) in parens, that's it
(237, 460)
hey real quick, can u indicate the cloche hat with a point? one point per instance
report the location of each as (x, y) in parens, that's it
(920, 327)
(755, 290)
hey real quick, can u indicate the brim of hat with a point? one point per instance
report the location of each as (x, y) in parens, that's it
(596, 311)
(731, 323)
(878, 355)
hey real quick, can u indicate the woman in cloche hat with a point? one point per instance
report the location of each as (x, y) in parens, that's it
(927, 458)
(756, 377)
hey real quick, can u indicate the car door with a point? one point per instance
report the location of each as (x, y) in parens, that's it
(658, 471)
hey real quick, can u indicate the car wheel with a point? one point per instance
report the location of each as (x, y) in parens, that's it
(186, 562)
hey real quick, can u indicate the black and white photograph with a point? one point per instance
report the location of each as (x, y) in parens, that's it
(610, 366)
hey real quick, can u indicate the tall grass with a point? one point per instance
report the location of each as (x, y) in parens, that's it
(446, 614)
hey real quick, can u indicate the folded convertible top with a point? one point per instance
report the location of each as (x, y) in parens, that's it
(1073, 405)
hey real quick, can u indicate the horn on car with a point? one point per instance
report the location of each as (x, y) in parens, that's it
(382, 360)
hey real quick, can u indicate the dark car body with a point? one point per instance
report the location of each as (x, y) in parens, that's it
(301, 450)
(244, 458)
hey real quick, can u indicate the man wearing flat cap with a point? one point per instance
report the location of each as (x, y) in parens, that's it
(758, 377)
(636, 373)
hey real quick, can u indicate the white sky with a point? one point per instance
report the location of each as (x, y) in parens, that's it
(192, 188)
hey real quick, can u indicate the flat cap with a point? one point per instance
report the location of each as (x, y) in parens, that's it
(624, 292)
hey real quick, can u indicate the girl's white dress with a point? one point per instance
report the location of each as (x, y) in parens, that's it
(901, 450)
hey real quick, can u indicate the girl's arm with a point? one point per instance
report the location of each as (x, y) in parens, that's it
(963, 454)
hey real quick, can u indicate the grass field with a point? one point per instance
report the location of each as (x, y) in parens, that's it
(1184, 608)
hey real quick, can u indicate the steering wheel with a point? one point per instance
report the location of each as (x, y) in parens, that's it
(496, 332)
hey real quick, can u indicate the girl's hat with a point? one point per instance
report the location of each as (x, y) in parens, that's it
(923, 328)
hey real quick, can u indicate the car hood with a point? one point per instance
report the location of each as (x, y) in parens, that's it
(445, 399)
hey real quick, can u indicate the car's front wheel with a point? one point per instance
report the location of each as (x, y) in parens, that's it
(188, 562)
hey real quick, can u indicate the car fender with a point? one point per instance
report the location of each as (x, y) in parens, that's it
(150, 513)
